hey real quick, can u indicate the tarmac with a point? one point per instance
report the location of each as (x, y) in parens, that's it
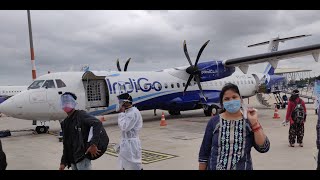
(172, 147)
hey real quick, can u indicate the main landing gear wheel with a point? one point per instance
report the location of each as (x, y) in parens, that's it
(211, 110)
(174, 112)
(42, 129)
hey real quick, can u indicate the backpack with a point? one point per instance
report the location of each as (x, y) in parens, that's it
(102, 144)
(298, 114)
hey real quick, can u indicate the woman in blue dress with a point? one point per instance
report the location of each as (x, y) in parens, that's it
(229, 136)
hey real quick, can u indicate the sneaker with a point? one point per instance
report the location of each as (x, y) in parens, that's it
(291, 145)
(301, 145)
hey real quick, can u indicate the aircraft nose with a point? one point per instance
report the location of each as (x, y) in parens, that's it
(8, 107)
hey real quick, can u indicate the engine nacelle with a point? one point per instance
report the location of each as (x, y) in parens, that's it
(214, 70)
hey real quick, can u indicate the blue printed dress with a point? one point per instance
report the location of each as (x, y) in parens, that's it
(227, 145)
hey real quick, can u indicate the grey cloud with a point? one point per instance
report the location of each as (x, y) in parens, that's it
(65, 40)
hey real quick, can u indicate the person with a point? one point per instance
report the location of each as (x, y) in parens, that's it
(230, 135)
(285, 99)
(316, 105)
(296, 129)
(74, 135)
(3, 158)
(318, 140)
(130, 123)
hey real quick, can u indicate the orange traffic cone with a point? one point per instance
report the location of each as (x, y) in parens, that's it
(276, 113)
(163, 120)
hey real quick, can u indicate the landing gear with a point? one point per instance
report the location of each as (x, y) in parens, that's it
(211, 110)
(42, 129)
(174, 112)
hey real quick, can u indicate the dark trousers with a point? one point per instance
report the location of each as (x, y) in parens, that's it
(296, 131)
(318, 163)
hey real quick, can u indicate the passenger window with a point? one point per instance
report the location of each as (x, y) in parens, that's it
(172, 85)
(252, 82)
(60, 83)
(178, 85)
(165, 85)
(36, 84)
(184, 84)
(48, 84)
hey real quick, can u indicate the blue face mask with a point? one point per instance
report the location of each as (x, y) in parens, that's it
(232, 106)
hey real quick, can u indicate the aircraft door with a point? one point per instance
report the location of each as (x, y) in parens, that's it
(96, 93)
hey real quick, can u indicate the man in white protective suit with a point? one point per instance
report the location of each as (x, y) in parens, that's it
(130, 123)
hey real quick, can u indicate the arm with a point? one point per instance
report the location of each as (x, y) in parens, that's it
(127, 121)
(318, 132)
(305, 109)
(260, 141)
(205, 148)
(89, 120)
(289, 110)
(3, 159)
(63, 158)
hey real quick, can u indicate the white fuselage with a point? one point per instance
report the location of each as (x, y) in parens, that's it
(42, 103)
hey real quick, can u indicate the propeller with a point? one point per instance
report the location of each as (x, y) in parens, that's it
(125, 66)
(193, 70)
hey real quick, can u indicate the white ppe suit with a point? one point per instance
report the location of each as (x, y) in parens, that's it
(130, 123)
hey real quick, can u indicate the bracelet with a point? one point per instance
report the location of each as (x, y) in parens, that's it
(257, 128)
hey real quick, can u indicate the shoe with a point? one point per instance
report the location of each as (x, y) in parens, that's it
(291, 145)
(301, 145)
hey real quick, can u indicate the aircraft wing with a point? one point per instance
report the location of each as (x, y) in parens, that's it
(273, 57)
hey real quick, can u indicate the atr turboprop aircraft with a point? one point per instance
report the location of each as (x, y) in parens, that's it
(175, 89)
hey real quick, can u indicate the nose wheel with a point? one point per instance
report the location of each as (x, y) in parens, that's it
(42, 129)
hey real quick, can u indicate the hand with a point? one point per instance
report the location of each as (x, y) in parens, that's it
(122, 109)
(252, 115)
(93, 150)
(62, 166)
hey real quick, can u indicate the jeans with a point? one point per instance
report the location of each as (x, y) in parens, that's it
(85, 164)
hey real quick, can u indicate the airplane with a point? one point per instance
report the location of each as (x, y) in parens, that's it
(8, 91)
(175, 89)
(277, 83)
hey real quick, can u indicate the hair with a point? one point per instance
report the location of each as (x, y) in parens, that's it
(295, 95)
(226, 87)
(125, 96)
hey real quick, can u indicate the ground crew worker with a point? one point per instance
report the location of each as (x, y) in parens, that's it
(130, 123)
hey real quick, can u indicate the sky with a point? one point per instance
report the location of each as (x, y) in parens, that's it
(67, 40)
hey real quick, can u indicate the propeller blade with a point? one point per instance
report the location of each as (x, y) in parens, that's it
(118, 65)
(126, 65)
(186, 52)
(188, 82)
(197, 77)
(200, 52)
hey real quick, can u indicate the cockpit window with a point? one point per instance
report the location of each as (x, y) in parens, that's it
(48, 84)
(36, 84)
(60, 83)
